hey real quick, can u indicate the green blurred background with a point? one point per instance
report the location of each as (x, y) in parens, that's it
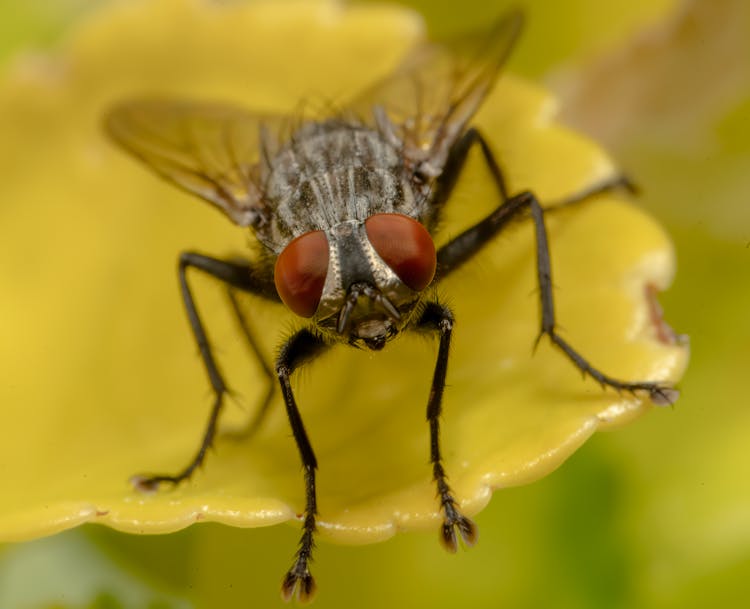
(654, 515)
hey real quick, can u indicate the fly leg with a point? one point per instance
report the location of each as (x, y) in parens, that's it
(255, 349)
(617, 182)
(459, 154)
(300, 348)
(464, 246)
(438, 318)
(240, 276)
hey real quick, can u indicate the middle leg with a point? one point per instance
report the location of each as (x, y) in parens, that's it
(255, 350)
(438, 318)
(464, 246)
(236, 275)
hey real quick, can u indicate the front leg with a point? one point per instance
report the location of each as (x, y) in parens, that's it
(300, 348)
(438, 318)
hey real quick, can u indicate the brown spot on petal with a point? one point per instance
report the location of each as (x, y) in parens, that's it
(664, 333)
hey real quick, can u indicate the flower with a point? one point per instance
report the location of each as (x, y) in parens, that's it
(101, 323)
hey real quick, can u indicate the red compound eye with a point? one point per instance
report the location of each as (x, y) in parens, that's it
(406, 247)
(300, 272)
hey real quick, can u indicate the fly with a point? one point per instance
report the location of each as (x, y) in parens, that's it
(344, 208)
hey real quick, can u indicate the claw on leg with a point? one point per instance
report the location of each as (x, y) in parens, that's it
(455, 527)
(298, 583)
(662, 395)
(145, 484)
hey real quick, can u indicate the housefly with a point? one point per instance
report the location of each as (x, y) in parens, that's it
(343, 208)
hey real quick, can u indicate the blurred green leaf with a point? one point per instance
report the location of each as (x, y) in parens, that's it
(67, 571)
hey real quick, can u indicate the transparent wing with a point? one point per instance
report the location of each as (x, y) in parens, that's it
(220, 152)
(428, 100)
(212, 150)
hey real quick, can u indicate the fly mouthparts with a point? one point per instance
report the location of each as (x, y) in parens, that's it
(364, 289)
(345, 313)
(388, 306)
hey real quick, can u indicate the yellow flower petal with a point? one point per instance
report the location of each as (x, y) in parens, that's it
(103, 377)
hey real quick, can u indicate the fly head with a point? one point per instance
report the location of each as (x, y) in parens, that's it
(359, 282)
